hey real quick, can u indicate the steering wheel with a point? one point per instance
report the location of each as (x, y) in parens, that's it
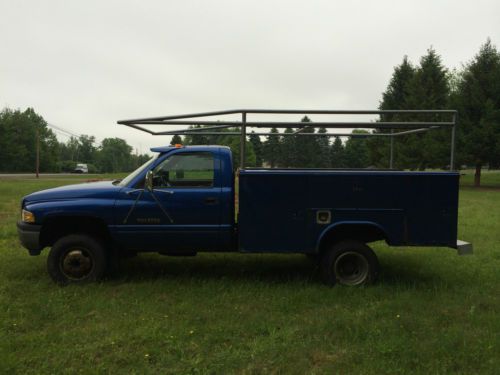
(161, 178)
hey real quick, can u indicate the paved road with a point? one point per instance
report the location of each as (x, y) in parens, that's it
(44, 175)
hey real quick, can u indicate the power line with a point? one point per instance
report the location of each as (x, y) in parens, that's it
(67, 132)
(62, 133)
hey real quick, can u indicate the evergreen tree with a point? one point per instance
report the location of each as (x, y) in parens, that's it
(288, 148)
(257, 147)
(399, 89)
(396, 96)
(234, 143)
(478, 101)
(430, 89)
(176, 140)
(356, 154)
(337, 157)
(271, 148)
(306, 147)
(424, 87)
(196, 139)
(323, 152)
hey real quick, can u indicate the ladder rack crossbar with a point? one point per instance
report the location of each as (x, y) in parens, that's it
(441, 118)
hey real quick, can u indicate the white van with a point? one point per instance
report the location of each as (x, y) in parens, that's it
(81, 168)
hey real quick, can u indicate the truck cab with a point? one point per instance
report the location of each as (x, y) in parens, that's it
(189, 207)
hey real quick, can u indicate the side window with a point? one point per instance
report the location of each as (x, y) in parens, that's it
(185, 170)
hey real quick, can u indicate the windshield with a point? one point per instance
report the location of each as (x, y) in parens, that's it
(138, 171)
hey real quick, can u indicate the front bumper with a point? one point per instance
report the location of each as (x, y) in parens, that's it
(29, 235)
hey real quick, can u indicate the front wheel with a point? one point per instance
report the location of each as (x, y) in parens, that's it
(349, 263)
(76, 258)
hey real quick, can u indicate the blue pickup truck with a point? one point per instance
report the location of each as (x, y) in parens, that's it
(184, 201)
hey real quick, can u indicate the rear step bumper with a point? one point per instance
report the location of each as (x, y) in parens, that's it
(464, 248)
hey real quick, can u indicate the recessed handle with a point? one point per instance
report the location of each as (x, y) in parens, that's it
(211, 200)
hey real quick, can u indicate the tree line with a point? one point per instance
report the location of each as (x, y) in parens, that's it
(20, 131)
(288, 149)
(474, 90)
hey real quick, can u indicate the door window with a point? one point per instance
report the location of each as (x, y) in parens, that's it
(189, 170)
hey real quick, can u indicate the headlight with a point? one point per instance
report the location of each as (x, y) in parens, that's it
(27, 217)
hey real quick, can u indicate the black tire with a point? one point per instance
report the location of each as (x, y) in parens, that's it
(350, 263)
(313, 257)
(76, 259)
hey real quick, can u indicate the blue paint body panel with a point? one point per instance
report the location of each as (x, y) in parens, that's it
(277, 208)
(136, 221)
(91, 200)
(277, 211)
(196, 226)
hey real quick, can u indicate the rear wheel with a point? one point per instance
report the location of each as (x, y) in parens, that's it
(76, 258)
(349, 263)
(314, 257)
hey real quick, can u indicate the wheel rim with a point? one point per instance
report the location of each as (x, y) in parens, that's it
(351, 268)
(76, 264)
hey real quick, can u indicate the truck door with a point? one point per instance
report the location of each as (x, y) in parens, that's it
(182, 212)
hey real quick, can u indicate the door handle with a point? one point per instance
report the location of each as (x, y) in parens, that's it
(211, 200)
(165, 191)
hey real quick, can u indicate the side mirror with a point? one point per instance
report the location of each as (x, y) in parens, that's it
(148, 182)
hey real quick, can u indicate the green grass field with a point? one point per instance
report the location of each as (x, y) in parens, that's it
(489, 179)
(432, 312)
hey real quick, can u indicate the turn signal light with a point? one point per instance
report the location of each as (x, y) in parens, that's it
(28, 217)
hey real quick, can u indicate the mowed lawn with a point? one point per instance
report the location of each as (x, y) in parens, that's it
(432, 312)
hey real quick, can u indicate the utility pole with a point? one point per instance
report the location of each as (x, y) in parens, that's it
(37, 151)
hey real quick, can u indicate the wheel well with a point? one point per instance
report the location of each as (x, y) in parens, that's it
(360, 232)
(59, 227)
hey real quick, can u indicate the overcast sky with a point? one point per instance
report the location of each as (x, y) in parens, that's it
(83, 65)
